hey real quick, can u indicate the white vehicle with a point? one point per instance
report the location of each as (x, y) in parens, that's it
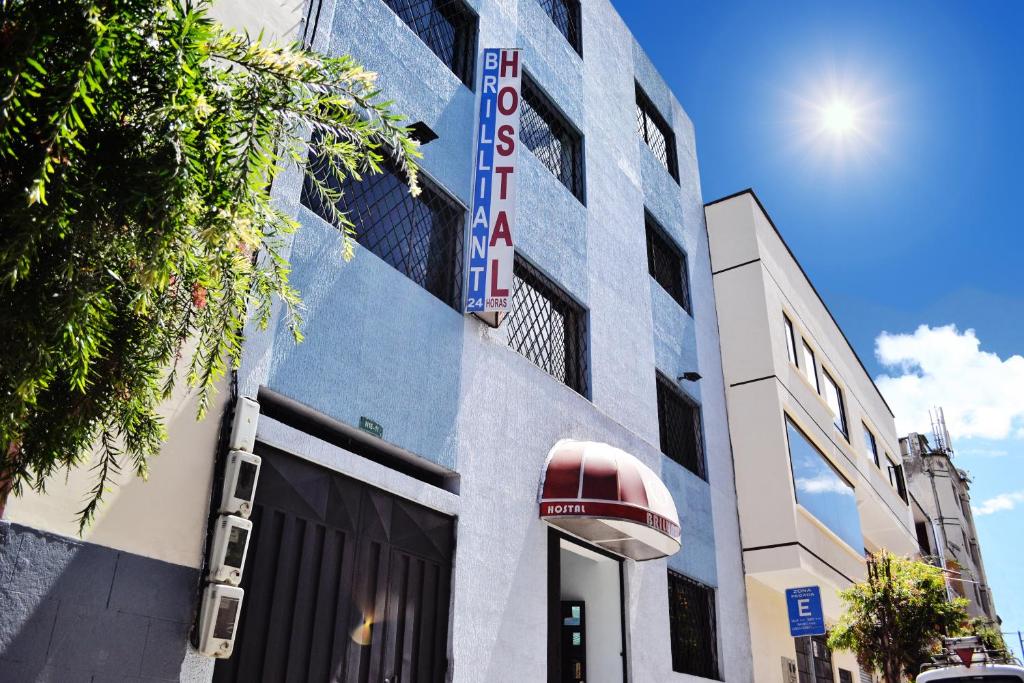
(965, 660)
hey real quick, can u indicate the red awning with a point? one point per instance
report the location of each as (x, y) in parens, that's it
(608, 497)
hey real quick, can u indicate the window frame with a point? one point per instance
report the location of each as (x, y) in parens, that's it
(843, 428)
(678, 583)
(811, 364)
(536, 99)
(790, 333)
(573, 33)
(432, 196)
(872, 443)
(464, 57)
(789, 421)
(576, 351)
(664, 384)
(645, 106)
(653, 229)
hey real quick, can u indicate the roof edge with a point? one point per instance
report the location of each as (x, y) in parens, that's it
(753, 195)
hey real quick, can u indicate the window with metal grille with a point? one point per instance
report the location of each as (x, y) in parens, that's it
(667, 263)
(656, 132)
(566, 16)
(813, 660)
(448, 27)
(679, 428)
(692, 626)
(421, 237)
(548, 327)
(551, 138)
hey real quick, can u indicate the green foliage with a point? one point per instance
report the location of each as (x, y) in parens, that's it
(989, 634)
(892, 619)
(138, 144)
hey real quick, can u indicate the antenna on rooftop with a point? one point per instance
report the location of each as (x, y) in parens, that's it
(939, 431)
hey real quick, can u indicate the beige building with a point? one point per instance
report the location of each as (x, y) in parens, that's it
(817, 458)
(943, 492)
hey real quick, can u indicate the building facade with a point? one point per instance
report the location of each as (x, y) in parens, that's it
(818, 473)
(942, 490)
(408, 450)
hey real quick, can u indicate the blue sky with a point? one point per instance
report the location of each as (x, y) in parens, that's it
(913, 220)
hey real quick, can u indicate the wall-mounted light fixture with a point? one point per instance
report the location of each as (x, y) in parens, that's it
(689, 376)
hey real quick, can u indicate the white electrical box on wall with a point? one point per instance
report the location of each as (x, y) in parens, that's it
(243, 427)
(218, 619)
(227, 554)
(241, 472)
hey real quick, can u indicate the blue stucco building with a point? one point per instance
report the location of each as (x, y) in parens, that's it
(406, 445)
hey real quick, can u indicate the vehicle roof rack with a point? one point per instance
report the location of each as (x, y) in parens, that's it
(967, 651)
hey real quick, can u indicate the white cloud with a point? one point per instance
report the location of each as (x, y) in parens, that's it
(823, 484)
(1004, 501)
(981, 394)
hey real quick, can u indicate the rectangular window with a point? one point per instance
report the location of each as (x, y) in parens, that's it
(834, 399)
(656, 133)
(421, 237)
(680, 428)
(810, 367)
(869, 440)
(822, 490)
(547, 327)
(896, 478)
(566, 16)
(813, 660)
(551, 138)
(790, 340)
(448, 27)
(667, 263)
(692, 626)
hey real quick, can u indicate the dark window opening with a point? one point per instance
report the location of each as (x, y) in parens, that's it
(448, 27)
(679, 427)
(667, 263)
(813, 660)
(566, 16)
(692, 626)
(897, 479)
(548, 327)
(551, 138)
(656, 132)
(421, 237)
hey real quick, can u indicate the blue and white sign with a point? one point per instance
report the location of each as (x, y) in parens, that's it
(805, 615)
(491, 254)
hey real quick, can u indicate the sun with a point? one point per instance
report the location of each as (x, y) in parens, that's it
(839, 117)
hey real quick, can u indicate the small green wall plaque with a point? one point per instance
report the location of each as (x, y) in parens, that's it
(368, 425)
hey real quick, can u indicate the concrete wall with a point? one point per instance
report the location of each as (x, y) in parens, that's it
(72, 611)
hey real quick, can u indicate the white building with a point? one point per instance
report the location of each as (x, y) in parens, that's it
(818, 475)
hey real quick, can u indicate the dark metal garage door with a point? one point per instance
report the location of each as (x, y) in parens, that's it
(343, 582)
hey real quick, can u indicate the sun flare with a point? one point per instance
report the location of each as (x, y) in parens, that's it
(839, 117)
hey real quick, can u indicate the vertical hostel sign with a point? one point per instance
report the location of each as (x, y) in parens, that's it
(491, 254)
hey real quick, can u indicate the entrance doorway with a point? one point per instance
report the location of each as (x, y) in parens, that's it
(344, 582)
(586, 639)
